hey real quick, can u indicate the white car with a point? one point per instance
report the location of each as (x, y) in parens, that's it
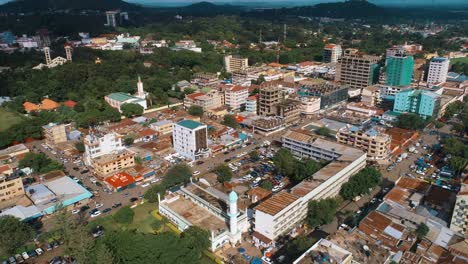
(75, 211)
(195, 173)
(99, 205)
(39, 251)
(155, 180)
(276, 189)
(25, 255)
(96, 214)
(145, 185)
(92, 180)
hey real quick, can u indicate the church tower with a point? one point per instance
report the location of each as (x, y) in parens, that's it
(140, 91)
(233, 213)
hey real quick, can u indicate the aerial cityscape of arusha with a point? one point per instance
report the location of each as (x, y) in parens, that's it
(234, 132)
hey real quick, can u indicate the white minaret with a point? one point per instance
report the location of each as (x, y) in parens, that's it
(47, 55)
(68, 52)
(233, 213)
(140, 92)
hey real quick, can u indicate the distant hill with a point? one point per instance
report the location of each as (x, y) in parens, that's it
(207, 9)
(27, 6)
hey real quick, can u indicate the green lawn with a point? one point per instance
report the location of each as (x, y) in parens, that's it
(463, 59)
(8, 119)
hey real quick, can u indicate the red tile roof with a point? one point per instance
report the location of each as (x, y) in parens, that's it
(28, 107)
(147, 132)
(48, 104)
(120, 180)
(330, 46)
(237, 88)
(194, 95)
(70, 104)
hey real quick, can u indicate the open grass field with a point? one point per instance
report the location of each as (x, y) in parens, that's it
(8, 119)
(464, 60)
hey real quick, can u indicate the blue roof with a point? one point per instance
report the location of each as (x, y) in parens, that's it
(190, 124)
(233, 196)
(439, 59)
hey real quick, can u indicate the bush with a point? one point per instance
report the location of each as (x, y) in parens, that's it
(124, 216)
(224, 173)
(195, 110)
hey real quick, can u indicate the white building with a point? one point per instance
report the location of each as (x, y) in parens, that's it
(333, 253)
(459, 221)
(236, 96)
(331, 53)
(190, 139)
(97, 145)
(281, 213)
(438, 69)
(251, 104)
(116, 100)
(310, 105)
(111, 17)
(235, 63)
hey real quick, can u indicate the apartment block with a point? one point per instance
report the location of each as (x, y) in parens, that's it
(205, 79)
(207, 101)
(459, 222)
(438, 69)
(423, 103)
(54, 134)
(331, 53)
(367, 138)
(98, 144)
(357, 71)
(11, 187)
(310, 105)
(251, 104)
(113, 162)
(399, 70)
(371, 96)
(163, 127)
(235, 97)
(268, 98)
(190, 139)
(234, 63)
(330, 93)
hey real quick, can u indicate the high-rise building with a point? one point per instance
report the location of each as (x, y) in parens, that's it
(235, 63)
(459, 221)
(331, 53)
(438, 69)
(54, 134)
(423, 103)
(190, 139)
(367, 138)
(251, 104)
(268, 98)
(68, 52)
(236, 96)
(358, 71)
(111, 17)
(399, 70)
(97, 145)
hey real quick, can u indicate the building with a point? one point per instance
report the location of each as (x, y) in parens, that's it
(187, 45)
(367, 138)
(236, 97)
(459, 222)
(371, 96)
(289, 110)
(205, 79)
(116, 100)
(331, 53)
(268, 98)
(113, 162)
(251, 104)
(399, 70)
(310, 105)
(7, 37)
(281, 213)
(235, 63)
(209, 209)
(100, 144)
(163, 127)
(325, 251)
(11, 188)
(421, 102)
(54, 134)
(207, 101)
(120, 181)
(357, 71)
(330, 93)
(111, 17)
(438, 69)
(190, 139)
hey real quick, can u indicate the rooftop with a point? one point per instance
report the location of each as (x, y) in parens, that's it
(190, 124)
(324, 251)
(119, 180)
(121, 97)
(276, 203)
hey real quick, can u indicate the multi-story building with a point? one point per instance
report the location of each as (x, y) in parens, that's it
(190, 139)
(236, 96)
(289, 110)
(438, 69)
(331, 53)
(113, 162)
(330, 93)
(333, 252)
(100, 144)
(111, 17)
(268, 98)
(54, 134)
(388, 92)
(163, 127)
(207, 101)
(357, 71)
(399, 70)
(11, 187)
(423, 103)
(284, 211)
(310, 105)
(371, 96)
(205, 79)
(251, 104)
(459, 221)
(367, 138)
(235, 63)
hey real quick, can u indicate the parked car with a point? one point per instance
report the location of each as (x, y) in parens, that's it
(39, 251)
(48, 247)
(32, 254)
(19, 259)
(106, 210)
(96, 214)
(12, 260)
(57, 260)
(144, 185)
(195, 173)
(133, 199)
(25, 255)
(116, 205)
(76, 211)
(99, 205)
(55, 244)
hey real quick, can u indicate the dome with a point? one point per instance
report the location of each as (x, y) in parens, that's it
(233, 196)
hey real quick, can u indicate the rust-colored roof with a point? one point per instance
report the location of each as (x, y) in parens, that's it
(276, 203)
(147, 132)
(253, 97)
(28, 107)
(120, 180)
(259, 192)
(330, 46)
(70, 103)
(261, 237)
(306, 63)
(48, 104)
(194, 96)
(413, 184)
(237, 88)
(274, 64)
(4, 168)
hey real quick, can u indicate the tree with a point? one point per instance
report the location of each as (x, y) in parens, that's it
(411, 121)
(267, 185)
(131, 110)
(80, 147)
(321, 212)
(103, 255)
(230, 121)
(458, 164)
(422, 230)
(284, 162)
(196, 238)
(224, 173)
(124, 216)
(361, 183)
(254, 156)
(323, 131)
(177, 174)
(13, 234)
(195, 110)
(39, 162)
(128, 140)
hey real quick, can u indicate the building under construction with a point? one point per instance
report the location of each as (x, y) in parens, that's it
(330, 93)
